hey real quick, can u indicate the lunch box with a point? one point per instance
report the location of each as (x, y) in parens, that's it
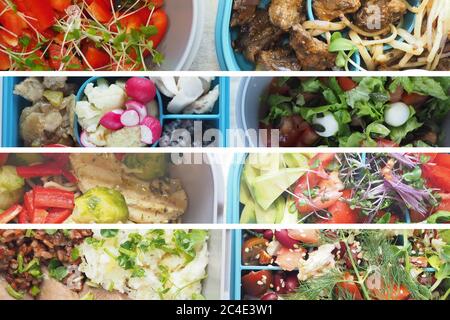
(234, 207)
(182, 41)
(230, 60)
(248, 110)
(13, 105)
(239, 269)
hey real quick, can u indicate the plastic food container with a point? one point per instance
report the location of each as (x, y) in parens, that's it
(182, 41)
(228, 58)
(13, 105)
(217, 285)
(238, 269)
(234, 207)
(248, 108)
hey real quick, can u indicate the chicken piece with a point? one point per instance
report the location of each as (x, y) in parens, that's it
(285, 13)
(318, 263)
(243, 12)
(55, 83)
(53, 121)
(32, 128)
(160, 201)
(312, 53)
(205, 103)
(281, 59)
(376, 15)
(258, 35)
(329, 10)
(31, 89)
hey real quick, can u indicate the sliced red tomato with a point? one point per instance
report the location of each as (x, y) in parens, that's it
(414, 99)
(56, 59)
(40, 12)
(10, 214)
(97, 58)
(156, 3)
(100, 11)
(385, 143)
(346, 83)
(3, 158)
(437, 176)
(56, 216)
(256, 283)
(161, 21)
(341, 211)
(13, 22)
(252, 251)
(60, 5)
(397, 293)
(8, 40)
(349, 287)
(442, 159)
(5, 62)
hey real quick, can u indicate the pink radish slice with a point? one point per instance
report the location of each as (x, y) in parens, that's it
(130, 118)
(111, 120)
(140, 108)
(151, 130)
(85, 141)
(140, 89)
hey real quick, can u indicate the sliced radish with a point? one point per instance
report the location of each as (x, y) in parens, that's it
(130, 118)
(141, 89)
(111, 120)
(140, 108)
(151, 130)
(84, 140)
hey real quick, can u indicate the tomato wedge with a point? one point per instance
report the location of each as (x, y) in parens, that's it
(442, 159)
(256, 283)
(97, 58)
(60, 5)
(341, 211)
(100, 11)
(437, 176)
(40, 12)
(346, 83)
(161, 21)
(397, 293)
(349, 287)
(5, 63)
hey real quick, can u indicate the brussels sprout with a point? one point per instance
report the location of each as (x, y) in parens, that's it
(101, 205)
(11, 187)
(147, 166)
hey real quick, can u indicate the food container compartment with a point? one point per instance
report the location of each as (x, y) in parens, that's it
(228, 58)
(238, 269)
(216, 286)
(13, 106)
(234, 207)
(182, 41)
(248, 108)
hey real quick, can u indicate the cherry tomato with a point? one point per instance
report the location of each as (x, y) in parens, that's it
(442, 159)
(346, 83)
(341, 211)
(253, 250)
(256, 283)
(414, 99)
(97, 58)
(161, 21)
(396, 293)
(349, 286)
(437, 176)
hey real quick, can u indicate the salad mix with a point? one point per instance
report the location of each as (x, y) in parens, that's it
(357, 111)
(78, 35)
(293, 188)
(346, 265)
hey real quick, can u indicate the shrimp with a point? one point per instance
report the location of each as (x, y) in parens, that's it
(329, 191)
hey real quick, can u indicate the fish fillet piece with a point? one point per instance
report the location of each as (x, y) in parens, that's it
(159, 201)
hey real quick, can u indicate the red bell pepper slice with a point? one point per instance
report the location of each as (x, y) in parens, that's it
(39, 170)
(23, 217)
(56, 216)
(39, 216)
(28, 202)
(53, 198)
(8, 215)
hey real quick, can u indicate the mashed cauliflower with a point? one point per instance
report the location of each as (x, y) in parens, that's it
(147, 265)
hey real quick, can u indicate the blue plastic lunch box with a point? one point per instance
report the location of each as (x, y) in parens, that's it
(13, 106)
(233, 61)
(238, 268)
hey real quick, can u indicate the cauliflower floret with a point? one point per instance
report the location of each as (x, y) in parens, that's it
(99, 136)
(88, 116)
(319, 262)
(106, 98)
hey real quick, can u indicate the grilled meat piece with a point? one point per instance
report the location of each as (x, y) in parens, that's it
(376, 15)
(280, 59)
(285, 13)
(312, 53)
(258, 35)
(243, 12)
(329, 10)
(159, 201)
